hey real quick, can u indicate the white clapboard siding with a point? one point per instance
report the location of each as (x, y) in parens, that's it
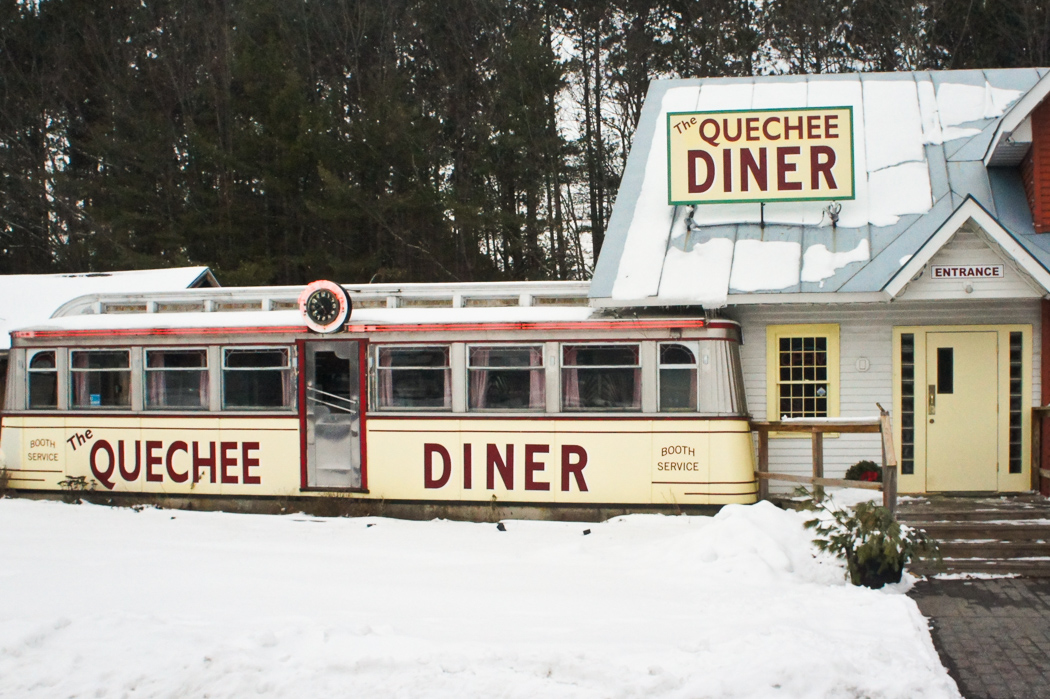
(967, 248)
(865, 330)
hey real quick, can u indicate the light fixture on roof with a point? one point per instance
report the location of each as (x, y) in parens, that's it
(833, 210)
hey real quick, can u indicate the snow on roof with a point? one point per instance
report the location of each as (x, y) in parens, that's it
(292, 318)
(920, 143)
(30, 299)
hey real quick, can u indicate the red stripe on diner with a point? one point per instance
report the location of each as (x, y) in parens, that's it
(376, 328)
(553, 325)
(131, 332)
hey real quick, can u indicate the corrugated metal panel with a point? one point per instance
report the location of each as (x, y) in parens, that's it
(877, 273)
(938, 170)
(975, 148)
(969, 177)
(864, 331)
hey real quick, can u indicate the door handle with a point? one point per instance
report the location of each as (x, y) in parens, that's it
(931, 402)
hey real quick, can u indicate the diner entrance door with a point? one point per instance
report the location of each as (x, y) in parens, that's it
(333, 414)
(962, 395)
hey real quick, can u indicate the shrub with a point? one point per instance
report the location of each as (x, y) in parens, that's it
(73, 488)
(875, 546)
(864, 471)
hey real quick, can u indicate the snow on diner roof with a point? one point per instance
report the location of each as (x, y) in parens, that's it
(376, 307)
(292, 321)
(30, 299)
(920, 142)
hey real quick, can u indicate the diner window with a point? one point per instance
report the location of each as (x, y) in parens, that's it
(257, 378)
(42, 378)
(100, 378)
(177, 379)
(506, 378)
(601, 377)
(414, 377)
(678, 377)
(802, 370)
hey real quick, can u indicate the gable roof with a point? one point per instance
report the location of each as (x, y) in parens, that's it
(921, 143)
(30, 299)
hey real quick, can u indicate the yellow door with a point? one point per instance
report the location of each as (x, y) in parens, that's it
(962, 406)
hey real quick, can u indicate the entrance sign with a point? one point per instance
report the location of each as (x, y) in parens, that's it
(762, 155)
(968, 271)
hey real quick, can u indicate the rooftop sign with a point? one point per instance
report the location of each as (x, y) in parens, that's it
(760, 155)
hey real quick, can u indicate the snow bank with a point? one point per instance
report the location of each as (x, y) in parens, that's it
(112, 603)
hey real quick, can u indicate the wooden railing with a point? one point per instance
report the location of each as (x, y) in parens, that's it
(817, 429)
(1040, 475)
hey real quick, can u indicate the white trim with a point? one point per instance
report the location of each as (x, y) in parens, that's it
(990, 228)
(1016, 115)
(828, 298)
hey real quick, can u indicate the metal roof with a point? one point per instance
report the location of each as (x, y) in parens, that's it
(922, 143)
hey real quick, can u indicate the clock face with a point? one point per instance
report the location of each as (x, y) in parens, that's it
(322, 306)
(325, 306)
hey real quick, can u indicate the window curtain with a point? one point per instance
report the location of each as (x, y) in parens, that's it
(157, 395)
(288, 387)
(386, 381)
(448, 387)
(81, 397)
(203, 396)
(479, 377)
(694, 388)
(571, 381)
(536, 380)
(636, 402)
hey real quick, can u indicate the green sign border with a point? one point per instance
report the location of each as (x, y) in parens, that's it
(852, 162)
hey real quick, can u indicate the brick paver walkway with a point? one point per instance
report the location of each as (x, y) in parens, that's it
(992, 635)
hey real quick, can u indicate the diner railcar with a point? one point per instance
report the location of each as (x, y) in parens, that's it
(516, 394)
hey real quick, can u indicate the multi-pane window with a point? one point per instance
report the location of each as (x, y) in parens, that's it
(506, 378)
(678, 377)
(601, 377)
(42, 378)
(414, 377)
(907, 404)
(1016, 401)
(177, 379)
(802, 386)
(100, 378)
(257, 378)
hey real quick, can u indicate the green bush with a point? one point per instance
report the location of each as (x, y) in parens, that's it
(864, 471)
(874, 545)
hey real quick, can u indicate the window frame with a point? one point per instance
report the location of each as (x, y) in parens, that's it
(694, 347)
(290, 370)
(207, 369)
(774, 333)
(541, 368)
(73, 371)
(639, 366)
(31, 353)
(375, 398)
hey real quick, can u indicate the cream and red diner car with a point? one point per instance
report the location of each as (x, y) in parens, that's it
(518, 394)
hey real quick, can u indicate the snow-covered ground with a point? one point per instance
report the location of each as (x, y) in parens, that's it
(101, 602)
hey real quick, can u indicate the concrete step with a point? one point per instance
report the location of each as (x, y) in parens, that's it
(1015, 531)
(976, 515)
(993, 549)
(1033, 568)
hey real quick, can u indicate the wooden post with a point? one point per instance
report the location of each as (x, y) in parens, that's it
(1037, 447)
(763, 463)
(818, 461)
(889, 464)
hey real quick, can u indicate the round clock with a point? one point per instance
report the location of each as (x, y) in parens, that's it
(325, 306)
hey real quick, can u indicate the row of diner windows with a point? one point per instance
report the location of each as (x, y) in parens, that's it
(599, 377)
